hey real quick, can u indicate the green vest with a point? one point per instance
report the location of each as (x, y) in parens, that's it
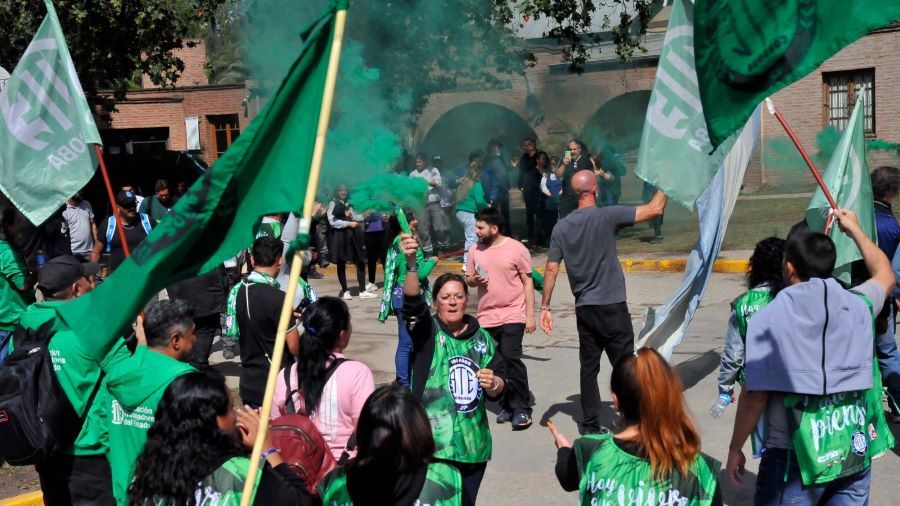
(744, 307)
(610, 475)
(443, 487)
(752, 301)
(838, 435)
(454, 400)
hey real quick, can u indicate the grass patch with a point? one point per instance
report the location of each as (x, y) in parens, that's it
(752, 221)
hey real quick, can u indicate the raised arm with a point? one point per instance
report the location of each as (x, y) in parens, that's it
(408, 247)
(652, 209)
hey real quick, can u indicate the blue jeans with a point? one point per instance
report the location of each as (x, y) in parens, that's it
(889, 358)
(779, 482)
(467, 220)
(404, 340)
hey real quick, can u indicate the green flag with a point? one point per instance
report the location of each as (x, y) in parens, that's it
(675, 150)
(847, 178)
(46, 137)
(749, 49)
(265, 171)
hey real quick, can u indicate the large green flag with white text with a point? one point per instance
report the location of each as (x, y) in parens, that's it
(749, 49)
(265, 171)
(675, 153)
(48, 131)
(847, 178)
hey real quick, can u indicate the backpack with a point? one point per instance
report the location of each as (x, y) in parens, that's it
(302, 446)
(37, 420)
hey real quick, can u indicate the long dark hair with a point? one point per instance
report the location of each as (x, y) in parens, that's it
(393, 433)
(323, 322)
(394, 223)
(649, 395)
(184, 444)
(765, 264)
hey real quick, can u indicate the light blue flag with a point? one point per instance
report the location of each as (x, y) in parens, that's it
(664, 327)
(47, 130)
(675, 149)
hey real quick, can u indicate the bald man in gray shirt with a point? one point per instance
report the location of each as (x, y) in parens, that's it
(586, 240)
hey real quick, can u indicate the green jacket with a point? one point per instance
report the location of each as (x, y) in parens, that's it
(152, 207)
(395, 275)
(474, 201)
(133, 390)
(93, 438)
(13, 275)
(77, 361)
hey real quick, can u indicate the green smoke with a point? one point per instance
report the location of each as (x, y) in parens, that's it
(384, 193)
(787, 170)
(880, 145)
(361, 139)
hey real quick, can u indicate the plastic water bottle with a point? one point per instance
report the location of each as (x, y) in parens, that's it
(722, 402)
(40, 259)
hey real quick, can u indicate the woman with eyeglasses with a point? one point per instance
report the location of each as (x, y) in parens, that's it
(454, 370)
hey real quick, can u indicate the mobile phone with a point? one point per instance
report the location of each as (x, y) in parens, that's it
(567, 154)
(481, 272)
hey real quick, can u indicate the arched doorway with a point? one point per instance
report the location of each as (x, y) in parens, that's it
(468, 127)
(618, 123)
(615, 129)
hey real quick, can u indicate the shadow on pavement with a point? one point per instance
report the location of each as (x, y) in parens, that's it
(693, 370)
(895, 429)
(229, 367)
(732, 494)
(572, 409)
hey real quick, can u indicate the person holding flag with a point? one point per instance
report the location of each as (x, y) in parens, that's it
(205, 227)
(809, 369)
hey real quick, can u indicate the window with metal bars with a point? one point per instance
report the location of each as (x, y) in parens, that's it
(224, 130)
(842, 90)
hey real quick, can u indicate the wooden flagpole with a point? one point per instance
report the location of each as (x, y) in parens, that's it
(296, 262)
(112, 201)
(812, 168)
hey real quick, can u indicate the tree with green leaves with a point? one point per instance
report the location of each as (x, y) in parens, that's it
(423, 47)
(112, 42)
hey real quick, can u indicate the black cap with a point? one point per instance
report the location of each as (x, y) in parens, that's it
(60, 272)
(126, 199)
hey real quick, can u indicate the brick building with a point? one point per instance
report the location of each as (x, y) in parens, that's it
(194, 116)
(869, 69)
(608, 102)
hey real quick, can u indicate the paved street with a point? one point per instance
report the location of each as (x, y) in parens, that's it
(521, 471)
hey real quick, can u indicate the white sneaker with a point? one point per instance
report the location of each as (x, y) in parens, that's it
(367, 295)
(371, 287)
(347, 296)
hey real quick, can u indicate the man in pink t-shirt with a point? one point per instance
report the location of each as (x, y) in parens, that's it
(500, 267)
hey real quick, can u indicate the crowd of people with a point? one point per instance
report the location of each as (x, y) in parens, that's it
(806, 350)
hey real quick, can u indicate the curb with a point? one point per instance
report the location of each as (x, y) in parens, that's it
(722, 265)
(658, 265)
(29, 499)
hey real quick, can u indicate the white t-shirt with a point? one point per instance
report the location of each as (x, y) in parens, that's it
(79, 219)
